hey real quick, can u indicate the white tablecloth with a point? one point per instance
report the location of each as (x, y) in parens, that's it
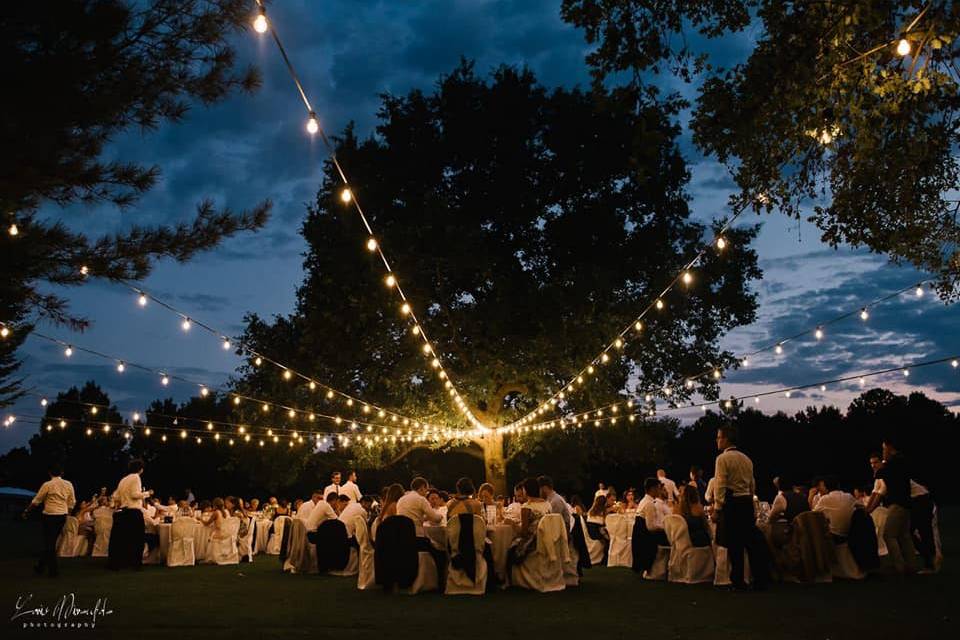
(201, 535)
(500, 537)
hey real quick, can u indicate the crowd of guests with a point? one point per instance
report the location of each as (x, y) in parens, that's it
(722, 511)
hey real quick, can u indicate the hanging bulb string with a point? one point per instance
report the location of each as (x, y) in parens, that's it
(877, 48)
(244, 347)
(374, 245)
(637, 321)
(221, 388)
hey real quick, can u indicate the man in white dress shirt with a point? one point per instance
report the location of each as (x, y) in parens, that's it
(837, 507)
(303, 513)
(733, 508)
(350, 488)
(322, 510)
(668, 484)
(349, 510)
(414, 505)
(334, 486)
(648, 510)
(57, 497)
(127, 535)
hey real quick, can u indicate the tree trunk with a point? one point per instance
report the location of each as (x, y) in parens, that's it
(494, 463)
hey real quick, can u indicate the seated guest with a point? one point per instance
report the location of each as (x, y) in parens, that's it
(533, 509)
(437, 501)
(391, 496)
(184, 510)
(557, 504)
(349, 510)
(414, 505)
(463, 501)
(817, 491)
(650, 512)
(598, 512)
(601, 490)
(215, 516)
(612, 502)
(254, 505)
(629, 501)
(512, 511)
(789, 502)
(282, 509)
(576, 506)
(320, 512)
(692, 511)
(837, 506)
(304, 511)
(296, 506)
(487, 499)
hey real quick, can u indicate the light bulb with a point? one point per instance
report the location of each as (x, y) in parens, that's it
(415, 330)
(745, 362)
(864, 315)
(346, 196)
(818, 333)
(778, 348)
(618, 343)
(68, 351)
(427, 349)
(903, 47)
(405, 308)
(164, 380)
(659, 304)
(313, 125)
(4, 332)
(312, 385)
(183, 434)
(43, 402)
(862, 381)
(287, 374)
(787, 394)
(226, 344)
(93, 410)
(13, 230)
(638, 325)
(390, 280)
(260, 23)
(84, 270)
(716, 374)
(687, 277)
(604, 358)
(823, 387)
(329, 394)
(236, 400)
(906, 373)
(136, 417)
(371, 244)
(185, 325)
(258, 361)
(721, 243)
(955, 363)
(919, 291)
(204, 392)
(120, 367)
(209, 426)
(142, 300)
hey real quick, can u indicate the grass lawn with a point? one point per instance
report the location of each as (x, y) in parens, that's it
(255, 601)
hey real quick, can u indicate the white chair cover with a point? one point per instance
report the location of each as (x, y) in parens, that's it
(245, 544)
(594, 547)
(261, 535)
(365, 576)
(71, 544)
(457, 581)
(687, 563)
(844, 565)
(879, 516)
(427, 578)
(542, 569)
(352, 568)
(301, 553)
(101, 544)
(222, 546)
(620, 530)
(181, 552)
(273, 545)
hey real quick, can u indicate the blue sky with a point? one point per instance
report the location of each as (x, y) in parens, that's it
(347, 52)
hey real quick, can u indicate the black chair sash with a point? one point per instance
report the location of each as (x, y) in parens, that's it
(580, 544)
(466, 557)
(395, 559)
(333, 546)
(643, 545)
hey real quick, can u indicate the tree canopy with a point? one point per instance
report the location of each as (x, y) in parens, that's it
(826, 117)
(82, 72)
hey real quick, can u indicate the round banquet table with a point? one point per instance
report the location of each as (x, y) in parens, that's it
(500, 538)
(201, 535)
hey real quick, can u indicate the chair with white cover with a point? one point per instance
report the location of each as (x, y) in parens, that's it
(102, 527)
(620, 529)
(353, 564)
(301, 552)
(595, 547)
(688, 564)
(365, 576)
(181, 552)
(71, 544)
(273, 545)
(542, 569)
(222, 547)
(844, 565)
(879, 516)
(458, 582)
(245, 543)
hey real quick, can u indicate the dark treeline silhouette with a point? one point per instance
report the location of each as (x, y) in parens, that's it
(816, 441)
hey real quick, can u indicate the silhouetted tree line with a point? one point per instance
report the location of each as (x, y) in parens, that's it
(815, 441)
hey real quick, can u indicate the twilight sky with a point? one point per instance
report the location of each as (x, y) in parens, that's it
(347, 52)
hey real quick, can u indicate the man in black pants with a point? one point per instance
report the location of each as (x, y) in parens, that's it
(736, 523)
(57, 497)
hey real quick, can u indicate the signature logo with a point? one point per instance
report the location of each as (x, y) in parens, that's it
(64, 613)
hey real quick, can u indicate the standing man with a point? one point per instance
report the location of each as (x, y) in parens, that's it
(895, 496)
(57, 497)
(350, 488)
(128, 533)
(697, 481)
(334, 486)
(733, 508)
(668, 484)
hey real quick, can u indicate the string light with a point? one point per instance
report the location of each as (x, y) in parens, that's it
(4, 332)
(313, 124)
(919, 291)
(226, 344)
(120, 367)
(165, 380)
(13, 230)
(68, 351)
(260, 22)
(142, 300)
(687, 277)
(721, 243)
(778, 349)
(185, 325)
(346, 195)
(405, 308)
(864, 315)
(818, 333)
(43, 402)
(84, 270)
(390, 280)
(903, 47)
(371, 244)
